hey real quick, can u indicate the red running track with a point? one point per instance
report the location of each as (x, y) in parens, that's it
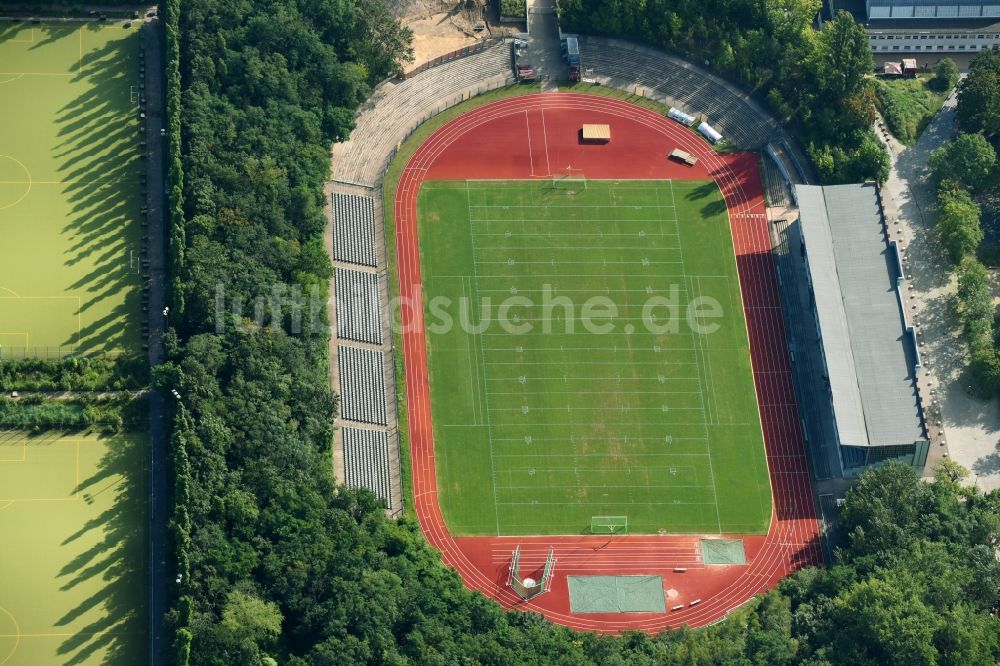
(535, 136)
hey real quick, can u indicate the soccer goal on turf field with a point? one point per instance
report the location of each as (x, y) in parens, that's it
(569, 181)
(609, 525)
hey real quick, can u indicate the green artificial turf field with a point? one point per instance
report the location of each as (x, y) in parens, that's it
(70, 194)
(73, 571)
(537, 431)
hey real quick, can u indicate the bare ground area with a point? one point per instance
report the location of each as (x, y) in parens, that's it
(443, 26)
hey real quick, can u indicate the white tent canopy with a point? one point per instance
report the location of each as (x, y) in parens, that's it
(680, 116)
(709, 132)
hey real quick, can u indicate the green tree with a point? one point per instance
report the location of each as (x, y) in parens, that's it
(945, 75)
(979, 95)
(844, 59)
(959, 224)
(896, 626)
(969, 160)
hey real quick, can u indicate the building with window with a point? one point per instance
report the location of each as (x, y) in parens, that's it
(932, 27)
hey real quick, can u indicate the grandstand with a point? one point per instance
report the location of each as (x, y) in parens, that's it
(354, 229)
(358, 308)
(362, 385)
(681, 85)
(397, 107)
(366, 461)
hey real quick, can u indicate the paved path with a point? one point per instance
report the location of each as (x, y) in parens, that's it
(544, 48)
(970, 427)
(156, 280)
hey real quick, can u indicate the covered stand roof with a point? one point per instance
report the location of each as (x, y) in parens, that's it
(870, 357)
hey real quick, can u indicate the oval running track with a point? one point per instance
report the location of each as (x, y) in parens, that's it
(535, 136)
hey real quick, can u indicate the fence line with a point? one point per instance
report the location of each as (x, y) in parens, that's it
(20, 353)
(463, 52)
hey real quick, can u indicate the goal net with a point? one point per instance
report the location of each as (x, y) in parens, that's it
(569, 182)
(609, 525)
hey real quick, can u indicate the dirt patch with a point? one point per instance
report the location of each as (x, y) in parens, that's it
(443, 26)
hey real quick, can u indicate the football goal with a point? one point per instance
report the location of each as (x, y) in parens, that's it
(609, 525)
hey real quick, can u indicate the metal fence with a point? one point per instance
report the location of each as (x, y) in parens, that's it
(455, 55)
(20, 353)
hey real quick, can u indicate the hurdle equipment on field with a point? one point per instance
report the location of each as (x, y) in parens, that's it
(527, 588)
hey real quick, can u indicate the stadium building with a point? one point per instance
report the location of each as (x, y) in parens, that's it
(869, 349)
(932, 27)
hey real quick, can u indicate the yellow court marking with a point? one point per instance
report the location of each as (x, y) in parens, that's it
(27, 175)
(106, 632)
(23, 458)
(37, 74)
(4, 505)
(16, 636)
(15, 77)
(81, 48)
(16, 295)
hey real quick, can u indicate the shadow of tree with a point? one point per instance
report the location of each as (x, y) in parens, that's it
(99, 167)
(53, 32)
(118, 558)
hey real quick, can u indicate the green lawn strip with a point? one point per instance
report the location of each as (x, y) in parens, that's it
(507, 485)
(908, 105)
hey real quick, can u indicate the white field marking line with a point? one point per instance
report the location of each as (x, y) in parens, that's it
(590, 275)
(640, 439)
(548, 485)
(703, 355)
(474, 362)
(605, 393)
(588, 378)
(596, 291)
(602, 503)
(585, 362)
(603, 262)
(595, 246)
(574, 207)
(545, 139)
(590, 408)
(534, 276)
(711, 466)
(528, 234)
(489, 420)
(600, 455)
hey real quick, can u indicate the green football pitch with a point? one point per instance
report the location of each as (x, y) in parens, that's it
(601, 366)
(73, 571)
(70, 193)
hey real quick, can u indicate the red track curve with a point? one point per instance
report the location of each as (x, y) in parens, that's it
(535, 136)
